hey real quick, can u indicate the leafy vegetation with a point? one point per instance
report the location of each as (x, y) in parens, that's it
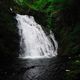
(49, 7)
(41, 5)
(61, 16)
(63, 19)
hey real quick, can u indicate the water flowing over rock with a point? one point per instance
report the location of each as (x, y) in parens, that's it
(34, 42)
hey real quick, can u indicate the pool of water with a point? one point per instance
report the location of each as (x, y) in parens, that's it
(33, 69)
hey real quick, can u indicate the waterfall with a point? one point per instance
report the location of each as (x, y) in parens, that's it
(34, 42)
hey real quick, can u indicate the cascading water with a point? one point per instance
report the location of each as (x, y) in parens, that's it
(34, 43)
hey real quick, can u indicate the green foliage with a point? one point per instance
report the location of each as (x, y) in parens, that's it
(41, 5)
(74, 67)
(48, 7)
(59, 16)
(64, 24)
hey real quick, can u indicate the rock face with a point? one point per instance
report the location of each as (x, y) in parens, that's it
(67, 28)
(65, 24)
(9, 39)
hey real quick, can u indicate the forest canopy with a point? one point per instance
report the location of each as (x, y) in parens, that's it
(42, 5)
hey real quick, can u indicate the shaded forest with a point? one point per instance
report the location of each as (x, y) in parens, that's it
(60, 16)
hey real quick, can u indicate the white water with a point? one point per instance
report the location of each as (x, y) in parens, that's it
(34, 43)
